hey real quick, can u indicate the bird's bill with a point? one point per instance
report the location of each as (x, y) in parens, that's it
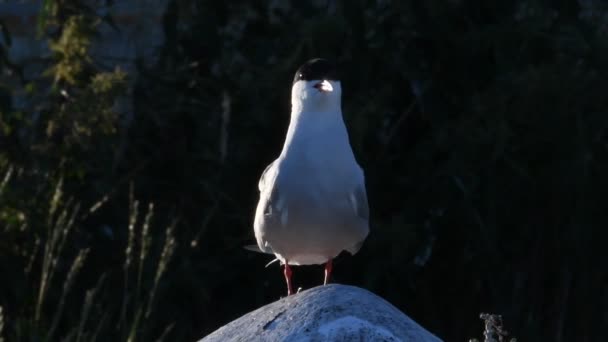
(324, 86)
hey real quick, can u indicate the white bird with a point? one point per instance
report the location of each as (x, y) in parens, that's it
(313, 203)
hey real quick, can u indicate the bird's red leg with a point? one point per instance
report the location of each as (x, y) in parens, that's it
(287, 272)
(328, 267)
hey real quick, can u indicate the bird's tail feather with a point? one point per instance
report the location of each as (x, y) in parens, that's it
(256, 248)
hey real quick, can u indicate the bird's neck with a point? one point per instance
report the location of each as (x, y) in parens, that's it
(312, 130)
(315, 120)
(327, 105)
(312, 122)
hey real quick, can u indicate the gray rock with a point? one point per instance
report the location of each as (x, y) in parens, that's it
(325, 313)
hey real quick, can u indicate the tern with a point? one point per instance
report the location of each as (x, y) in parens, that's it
(313, 202)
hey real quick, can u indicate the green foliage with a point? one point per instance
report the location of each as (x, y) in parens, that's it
(481, 127)
(87, 115)
(50, 269)
(72, 50)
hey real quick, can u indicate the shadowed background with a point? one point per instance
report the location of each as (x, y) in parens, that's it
(133, 134)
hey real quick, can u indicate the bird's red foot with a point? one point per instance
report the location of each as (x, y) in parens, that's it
(287, 272)
(328, 268)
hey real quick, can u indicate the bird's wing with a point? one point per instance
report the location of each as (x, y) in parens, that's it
(358, 198)
(269, 192)
(264, 179)
(269, 208)
(359, 204)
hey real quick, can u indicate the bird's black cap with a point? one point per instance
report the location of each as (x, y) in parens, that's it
(317, 69)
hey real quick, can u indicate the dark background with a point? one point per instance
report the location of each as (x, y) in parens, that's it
(481, 126)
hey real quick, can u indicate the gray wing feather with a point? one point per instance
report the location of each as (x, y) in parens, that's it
(360, 205)
(360, 202)
(267, 208)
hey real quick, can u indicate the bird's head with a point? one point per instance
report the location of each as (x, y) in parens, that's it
(316, 87)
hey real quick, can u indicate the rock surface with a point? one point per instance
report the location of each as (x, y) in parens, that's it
(325, 313)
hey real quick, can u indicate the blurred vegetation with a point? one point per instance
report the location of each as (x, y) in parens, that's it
(481, 126)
